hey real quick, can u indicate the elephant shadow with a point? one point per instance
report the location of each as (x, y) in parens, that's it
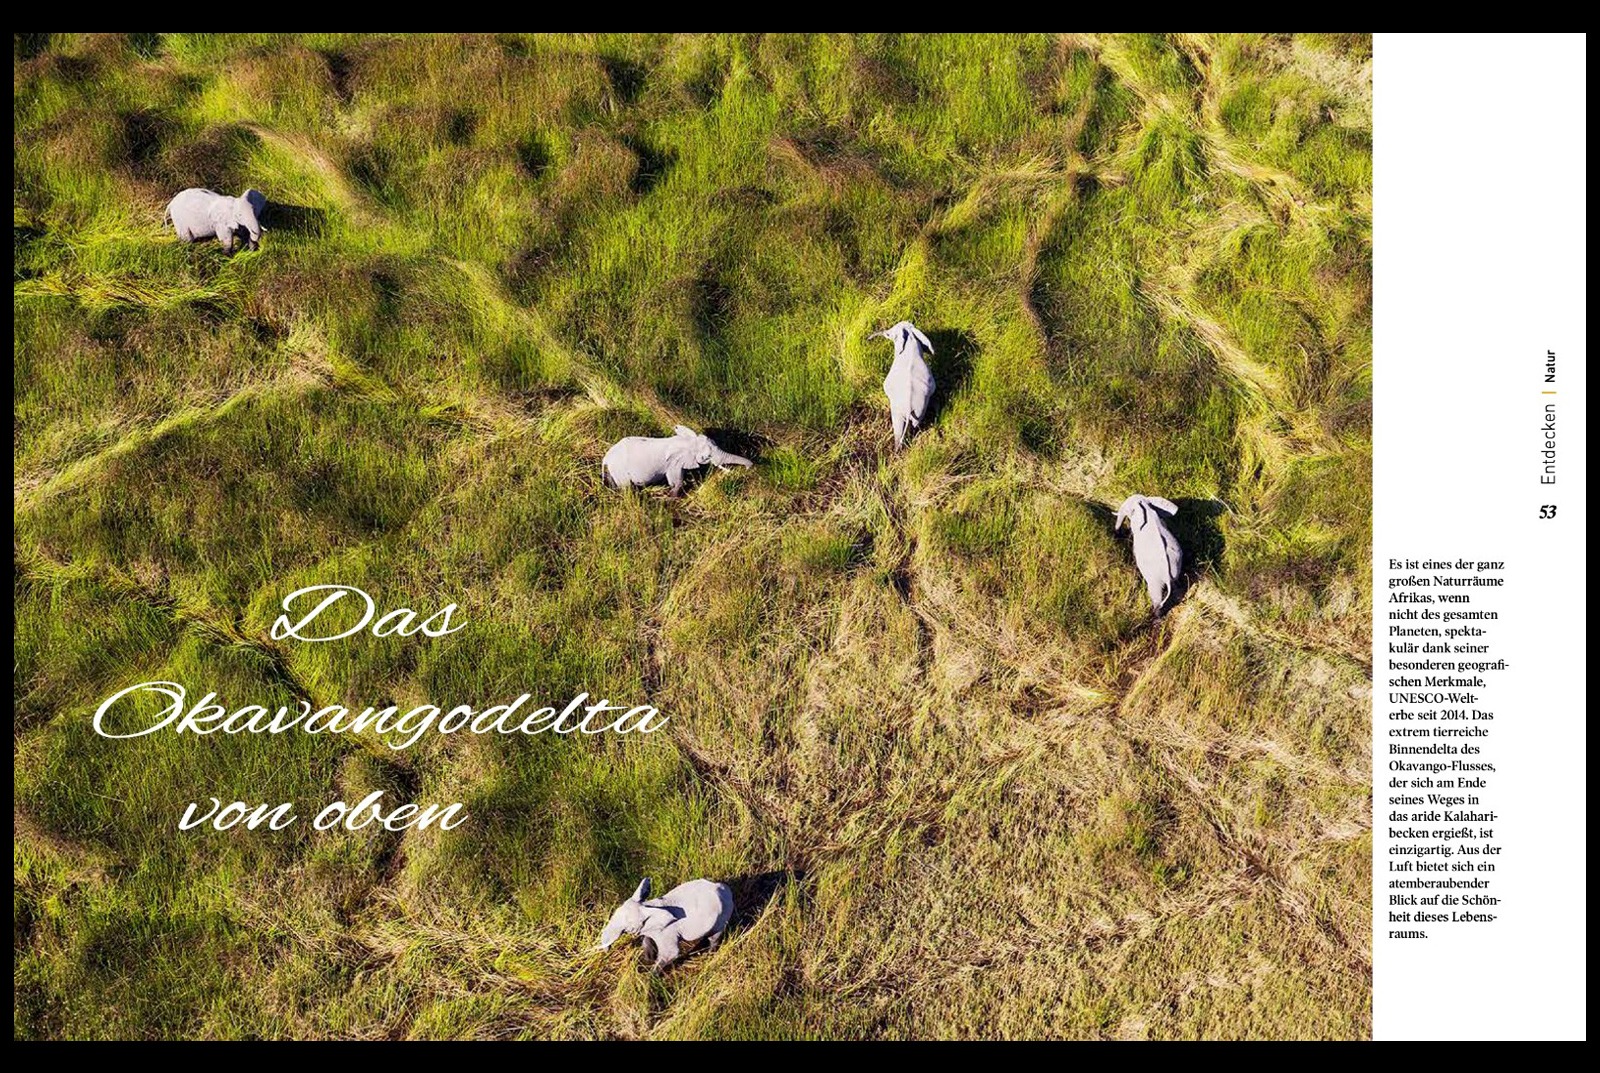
(738, 441)
(752, 893)
(1106, 518)
(953, 354)
(1198, 529)
(294, 219)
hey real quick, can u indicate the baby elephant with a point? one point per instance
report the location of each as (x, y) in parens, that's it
(197, 214)
(641, 460)
(909, 384)
(1155, 549)
(689, 912)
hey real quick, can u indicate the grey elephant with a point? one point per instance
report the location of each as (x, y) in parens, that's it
(640, 460)
(689, 912)
(909, 384)
(1155, 549)
(197, 214)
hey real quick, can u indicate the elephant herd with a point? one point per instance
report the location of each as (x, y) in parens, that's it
(700, 909)
(644, 460)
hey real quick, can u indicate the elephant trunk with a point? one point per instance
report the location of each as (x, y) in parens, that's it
(722, 459)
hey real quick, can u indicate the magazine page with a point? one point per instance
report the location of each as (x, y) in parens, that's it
(850, 536)
(1478, 619)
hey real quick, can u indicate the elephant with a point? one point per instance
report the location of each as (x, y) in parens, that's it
(640, 460)
(1155, 549)
(197, 214)
(689, 912)
(909, 384)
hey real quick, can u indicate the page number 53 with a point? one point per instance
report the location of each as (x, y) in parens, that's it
(1547, 511)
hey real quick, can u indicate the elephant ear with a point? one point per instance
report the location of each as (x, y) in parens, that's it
(682, 430)
(644, 890)
(244, 215)
(653, 918)
(1124, 512)
(923, 339)
(681, 454)
(1166, 505)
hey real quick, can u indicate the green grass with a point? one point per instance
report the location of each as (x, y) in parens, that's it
(921, 718)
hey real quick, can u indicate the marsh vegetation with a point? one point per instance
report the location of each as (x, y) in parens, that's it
(960, 780)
